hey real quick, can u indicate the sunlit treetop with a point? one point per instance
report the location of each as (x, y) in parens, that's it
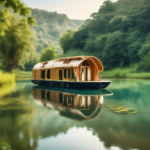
(18, 7)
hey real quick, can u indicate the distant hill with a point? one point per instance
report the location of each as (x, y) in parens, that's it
(50, 26)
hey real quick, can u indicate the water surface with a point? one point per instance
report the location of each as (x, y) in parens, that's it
(40, 118)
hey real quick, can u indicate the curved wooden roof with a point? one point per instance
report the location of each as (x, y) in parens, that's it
(69, 62)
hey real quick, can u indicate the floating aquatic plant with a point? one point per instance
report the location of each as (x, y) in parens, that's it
(120, 109)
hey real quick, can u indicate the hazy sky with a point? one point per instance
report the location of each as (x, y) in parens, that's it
(75, 9)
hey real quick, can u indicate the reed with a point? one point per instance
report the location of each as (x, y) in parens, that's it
(6, 79)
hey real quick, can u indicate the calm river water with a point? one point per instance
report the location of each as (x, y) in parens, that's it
(42, 118)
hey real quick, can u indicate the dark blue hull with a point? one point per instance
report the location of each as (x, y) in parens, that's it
(72, 84)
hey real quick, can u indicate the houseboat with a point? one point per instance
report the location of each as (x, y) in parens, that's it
(80, 72)
(80, 107)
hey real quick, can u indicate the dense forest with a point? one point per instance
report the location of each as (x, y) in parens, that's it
(118, 34)
(50, 26)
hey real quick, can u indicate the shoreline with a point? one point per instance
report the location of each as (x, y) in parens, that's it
(127, 77)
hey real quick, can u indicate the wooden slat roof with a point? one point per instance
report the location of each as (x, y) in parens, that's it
(68, 62)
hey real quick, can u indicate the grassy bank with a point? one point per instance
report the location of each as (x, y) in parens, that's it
(19, 74)
(125, 73)
(6, 79)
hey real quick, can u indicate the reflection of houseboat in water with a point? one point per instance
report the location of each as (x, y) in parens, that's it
(71, 72)
(75, 106)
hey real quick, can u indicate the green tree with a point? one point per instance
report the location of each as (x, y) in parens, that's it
(65, 39)
(115, 53)
(16, 46)
(144, 64)
(100, 42)
(48, 54)
(144, 50)
(18, 7)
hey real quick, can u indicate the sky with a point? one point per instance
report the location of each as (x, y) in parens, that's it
(74, 9)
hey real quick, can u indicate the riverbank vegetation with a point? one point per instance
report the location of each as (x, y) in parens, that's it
(20, 74)
(125, 73)
(7, 83)
(6, 78)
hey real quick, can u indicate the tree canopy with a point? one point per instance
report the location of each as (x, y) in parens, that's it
(17, 45)
(48, 54)
(18, 7)
(64, 40)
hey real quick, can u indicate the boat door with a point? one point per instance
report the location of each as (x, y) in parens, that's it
(85, 72)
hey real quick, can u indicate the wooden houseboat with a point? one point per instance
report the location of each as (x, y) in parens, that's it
(71, 72)
(74, 106)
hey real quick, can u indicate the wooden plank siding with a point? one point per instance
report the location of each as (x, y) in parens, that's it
(54, 72)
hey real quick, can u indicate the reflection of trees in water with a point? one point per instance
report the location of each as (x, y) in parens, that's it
(6, 90)
(15, 129)
(16, 120)
(15, 99)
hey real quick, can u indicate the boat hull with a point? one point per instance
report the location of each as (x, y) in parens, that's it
(73, 84)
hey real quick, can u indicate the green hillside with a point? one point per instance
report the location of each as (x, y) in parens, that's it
(50, 26)
(118, 34)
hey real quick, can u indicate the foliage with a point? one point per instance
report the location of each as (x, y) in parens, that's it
(144, 64)
(18, 7)
(6, 79)
(118, 34)
(48, 53)
(16, 46)
(115, 51)
(64, 40)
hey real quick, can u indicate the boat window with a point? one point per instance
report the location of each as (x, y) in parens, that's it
(72, 73)
(48, 96)
(65, 73)
(67, 61)
(60, 74)
(82, 69)
(43, 74)
(68, 73)
(85, 63)
(48, 74)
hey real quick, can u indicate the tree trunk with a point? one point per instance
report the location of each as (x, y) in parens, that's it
(121, 62)
(9, 67)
